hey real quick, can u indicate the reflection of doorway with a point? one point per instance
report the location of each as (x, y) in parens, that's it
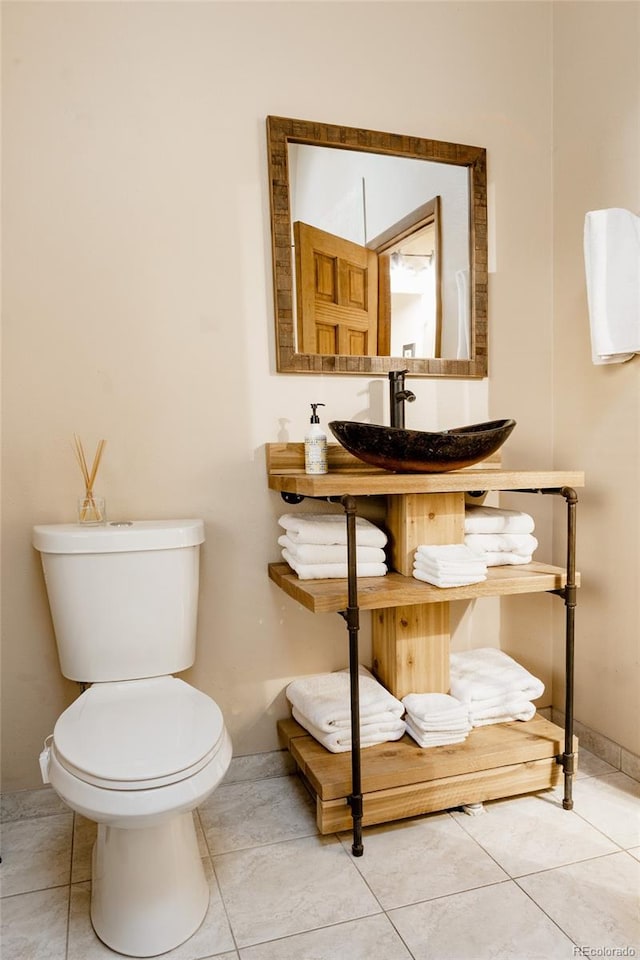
(336, 294)
(409, 283)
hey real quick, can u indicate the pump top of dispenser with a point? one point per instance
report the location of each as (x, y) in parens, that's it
(314, 417)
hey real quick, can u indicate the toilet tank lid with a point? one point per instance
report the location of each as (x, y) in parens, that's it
(119, 536)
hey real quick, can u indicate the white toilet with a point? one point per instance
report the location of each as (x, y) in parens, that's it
(140, 748)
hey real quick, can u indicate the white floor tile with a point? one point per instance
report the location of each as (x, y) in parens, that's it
(612, 804)
(286, 888)
(84, 835)
(493, 923)
(595, 902)
(36, 853)
(23, 804)
(212, 938)
(248, 814)
(527, 834)
(422, 859)
(34, 925)
(372, 938)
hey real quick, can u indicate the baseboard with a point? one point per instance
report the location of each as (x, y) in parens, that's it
(601, 746)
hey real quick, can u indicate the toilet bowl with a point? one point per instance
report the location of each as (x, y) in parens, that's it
(138, 757)
(139, 749)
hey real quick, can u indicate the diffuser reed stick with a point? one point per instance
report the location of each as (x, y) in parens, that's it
(90, 511)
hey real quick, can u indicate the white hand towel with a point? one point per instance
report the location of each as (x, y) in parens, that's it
(440, 709)
(325, 698)
(504, 559)
(332, 571)
(481, 519)
(523, 544)
(612, 267)
(442, 726)
(486, 673)
(329, 552)
(339, 740)
(454, 569)
(330, 528)
(434, 739)
(446, 580)
(446, 553)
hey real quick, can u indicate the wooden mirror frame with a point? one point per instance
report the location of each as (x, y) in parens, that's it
(280, 132)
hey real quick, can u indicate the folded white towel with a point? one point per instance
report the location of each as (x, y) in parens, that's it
(523, 544)
(612, 267)
(481, 519)
(509, 710)
(446, 553)
(330, 528)
(339, 740)
(434, 739)
(332, 571)
(504, 559)
(436, 711)
(445, 580)
(329, 552)
(453, 726)
(454, 569)
(490, 674)
(325, 699)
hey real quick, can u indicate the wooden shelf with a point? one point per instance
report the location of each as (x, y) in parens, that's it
(374, 593)
(347, 475)
(402, 779)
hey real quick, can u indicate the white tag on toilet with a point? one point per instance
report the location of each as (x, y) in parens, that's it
(45, 757)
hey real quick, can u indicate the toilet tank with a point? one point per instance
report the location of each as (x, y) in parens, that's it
(123, 596)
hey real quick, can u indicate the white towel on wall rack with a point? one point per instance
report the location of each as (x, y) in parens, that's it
(612, 267)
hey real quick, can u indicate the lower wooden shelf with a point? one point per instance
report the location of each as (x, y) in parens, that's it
(402, 779)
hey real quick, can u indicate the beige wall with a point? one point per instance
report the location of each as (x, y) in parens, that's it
(137, 299)
(597, 408)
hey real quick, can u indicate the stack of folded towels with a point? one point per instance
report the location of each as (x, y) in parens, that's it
(493, 687)
(448, 565)
(315, 546)
(322, 705)
(499, 536)
(435, 719)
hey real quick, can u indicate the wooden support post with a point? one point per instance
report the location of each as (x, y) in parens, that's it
(410, 648)
(417, 518)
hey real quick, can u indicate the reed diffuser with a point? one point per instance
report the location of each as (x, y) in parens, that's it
(91, 509)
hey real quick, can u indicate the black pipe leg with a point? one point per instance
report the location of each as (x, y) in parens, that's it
(570, 592)
(569, 595)
(352, 618)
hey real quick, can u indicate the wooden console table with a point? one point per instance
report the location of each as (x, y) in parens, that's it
(411, 639)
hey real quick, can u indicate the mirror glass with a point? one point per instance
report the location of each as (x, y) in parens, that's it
(379, 245)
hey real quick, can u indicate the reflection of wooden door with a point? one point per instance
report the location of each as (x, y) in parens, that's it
(336, 294)
(424, 220)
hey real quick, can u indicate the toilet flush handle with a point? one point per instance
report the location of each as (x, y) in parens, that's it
(45, 759)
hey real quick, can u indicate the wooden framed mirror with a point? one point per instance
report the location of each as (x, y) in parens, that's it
(379, 251)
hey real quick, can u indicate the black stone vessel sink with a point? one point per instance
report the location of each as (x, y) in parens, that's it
(415, 451)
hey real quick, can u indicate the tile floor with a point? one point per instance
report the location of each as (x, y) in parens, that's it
(524, 879)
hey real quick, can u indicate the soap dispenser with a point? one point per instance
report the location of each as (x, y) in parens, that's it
(315, 444)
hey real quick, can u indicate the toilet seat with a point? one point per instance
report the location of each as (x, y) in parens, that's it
(138, 734)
